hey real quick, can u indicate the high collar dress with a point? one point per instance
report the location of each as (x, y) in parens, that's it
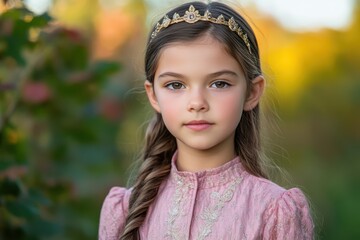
(224, 203)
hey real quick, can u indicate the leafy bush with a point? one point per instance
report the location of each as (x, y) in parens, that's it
(52, 117)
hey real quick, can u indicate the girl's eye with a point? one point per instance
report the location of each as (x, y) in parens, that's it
(220, 84)
(174, 86)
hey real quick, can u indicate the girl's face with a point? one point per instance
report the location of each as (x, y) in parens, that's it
(201, 92)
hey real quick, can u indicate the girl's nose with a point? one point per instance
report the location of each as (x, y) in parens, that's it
(197, 101)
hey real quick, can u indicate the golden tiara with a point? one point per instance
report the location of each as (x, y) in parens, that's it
(193, 15)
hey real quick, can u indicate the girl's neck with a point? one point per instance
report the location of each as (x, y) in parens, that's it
(193, 160)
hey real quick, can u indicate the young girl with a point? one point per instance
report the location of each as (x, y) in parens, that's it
(201, 175)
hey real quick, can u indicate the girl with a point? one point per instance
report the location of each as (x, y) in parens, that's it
(201, 175)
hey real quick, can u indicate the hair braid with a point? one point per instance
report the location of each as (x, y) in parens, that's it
(160, 145)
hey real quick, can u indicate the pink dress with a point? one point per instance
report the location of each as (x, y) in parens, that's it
(224, 203)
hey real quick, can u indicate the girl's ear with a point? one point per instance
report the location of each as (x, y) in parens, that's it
(151, 95)
(257, 89)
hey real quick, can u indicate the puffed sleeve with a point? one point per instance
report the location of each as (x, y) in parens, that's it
(113, 213)
(288, 217)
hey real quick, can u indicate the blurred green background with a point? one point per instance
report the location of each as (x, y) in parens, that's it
(72, 115)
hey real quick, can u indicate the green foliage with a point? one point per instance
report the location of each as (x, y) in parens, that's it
(51, 119)
(322, 134)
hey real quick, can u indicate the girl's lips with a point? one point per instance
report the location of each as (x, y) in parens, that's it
(198, 125)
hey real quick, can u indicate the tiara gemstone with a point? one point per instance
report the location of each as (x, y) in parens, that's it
(220, 19)
(166, 21)
(192, 15)
(176, 17)
(207, 15)
(232, 24)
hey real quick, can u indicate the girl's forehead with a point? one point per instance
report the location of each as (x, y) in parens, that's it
(205, 45)
(205, 40)
(198, 56)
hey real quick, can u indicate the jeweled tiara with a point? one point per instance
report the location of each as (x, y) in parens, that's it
(193, 15)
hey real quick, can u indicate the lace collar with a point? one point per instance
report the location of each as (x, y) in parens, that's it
(209, 178)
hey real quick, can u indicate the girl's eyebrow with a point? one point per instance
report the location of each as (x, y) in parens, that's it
(171, 74)
(211, 75)
(223, 72)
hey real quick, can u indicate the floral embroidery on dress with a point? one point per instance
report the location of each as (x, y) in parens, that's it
(212, 213)
(181, 193)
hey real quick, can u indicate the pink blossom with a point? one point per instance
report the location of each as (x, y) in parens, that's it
(36, 92)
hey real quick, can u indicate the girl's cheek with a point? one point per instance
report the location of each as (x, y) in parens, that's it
(231, 100)
(169, 104)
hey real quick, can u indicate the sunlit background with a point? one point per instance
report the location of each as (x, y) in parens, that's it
(72, 111)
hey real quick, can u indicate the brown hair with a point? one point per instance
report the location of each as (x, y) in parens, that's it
(160, 145)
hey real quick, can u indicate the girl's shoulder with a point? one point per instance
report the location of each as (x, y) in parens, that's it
(270, 190)
(113, 213)
(286, 212)
(288, 216)
(117, 197)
